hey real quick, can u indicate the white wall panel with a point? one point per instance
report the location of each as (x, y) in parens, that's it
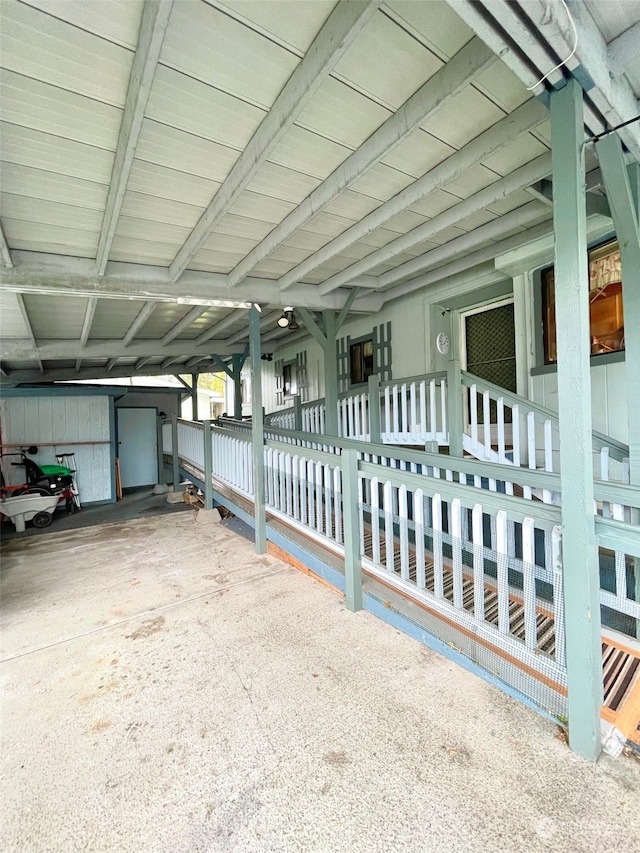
(193, 106)
(177, 149)
(115, 20)
(229, 55)
(45, 48)
(608, 397)
(63, 420)
(38, 183)
(43, 107)
(53, 153)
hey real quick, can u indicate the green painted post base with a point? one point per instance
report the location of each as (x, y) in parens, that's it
(350, 502)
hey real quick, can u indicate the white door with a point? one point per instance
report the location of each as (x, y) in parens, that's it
(137, 446)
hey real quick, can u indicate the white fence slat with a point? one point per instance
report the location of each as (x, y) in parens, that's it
(403, 524)
(387, 502)
(455, 508)
(375, 521)
(478, 563)
(558, 596)
(438, 557)
(502, 579)
(528, 583)
(418, 517)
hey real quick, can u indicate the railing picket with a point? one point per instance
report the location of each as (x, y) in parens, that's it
(403, 524)
(418, 519)
(502, 577)
(456, 544)
(437, 546)
(413, 428)
(528, 583)
(478, 563)
(558, 596)
(387, 503)
(337, 492)
(375, 520)
(319, 491)
(486, 423)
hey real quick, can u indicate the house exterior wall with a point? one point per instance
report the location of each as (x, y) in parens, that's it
(416, 320)
(63, 421)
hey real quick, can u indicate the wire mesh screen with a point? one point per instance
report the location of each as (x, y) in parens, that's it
(491, 351)
(484, 582)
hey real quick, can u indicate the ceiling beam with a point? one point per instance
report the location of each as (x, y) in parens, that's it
(530, 58)
(522, 119)
(141, 363)
(266, 320)
(89, 313)
(111, 364)
(35, 272)
(24, 350)
(29, 328)
(218, 327)
(153, 26)
(500, 189)
(484, 26)
(186, 321)
(5, 253)
(438, 91)
(612, 97)
(336, 36)
(524, 216)
(474, 259)
(138, 323)
(68, 374)
(623, 50)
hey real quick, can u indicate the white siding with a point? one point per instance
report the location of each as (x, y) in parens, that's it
(608, 398)
(62, 421)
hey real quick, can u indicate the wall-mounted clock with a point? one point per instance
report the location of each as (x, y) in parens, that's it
(442, 343)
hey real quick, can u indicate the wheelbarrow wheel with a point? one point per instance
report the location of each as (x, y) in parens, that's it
(42, 519)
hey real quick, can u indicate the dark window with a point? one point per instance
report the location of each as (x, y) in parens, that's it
(605, 304)
(360, 362)
(289, 380)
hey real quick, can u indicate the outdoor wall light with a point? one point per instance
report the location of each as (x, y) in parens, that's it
(288, 320)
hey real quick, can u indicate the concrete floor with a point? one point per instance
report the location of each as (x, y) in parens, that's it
(135, 502)
(167, 690)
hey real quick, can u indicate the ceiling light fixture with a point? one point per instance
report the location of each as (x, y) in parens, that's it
(288, 319)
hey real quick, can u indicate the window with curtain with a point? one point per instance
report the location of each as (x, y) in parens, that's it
(605, 303)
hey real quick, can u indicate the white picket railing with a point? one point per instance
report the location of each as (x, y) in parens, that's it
(485, 562)
(233, 460)
(460, 505)
(508, 429)
(313, 417)
(353, 416)
(414, 411)
(305, 486)
(190, 443)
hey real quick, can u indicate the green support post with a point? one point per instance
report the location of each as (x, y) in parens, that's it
(455, 411)
(159, 450)
(579, 552)
(622, 183)
(297, 413)
(351, 520)
(622, 191)
(237, 387)
(375, 425)
(174, 452)
(194, 396)
(257, 431)
(208, 464)
(330, 374)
